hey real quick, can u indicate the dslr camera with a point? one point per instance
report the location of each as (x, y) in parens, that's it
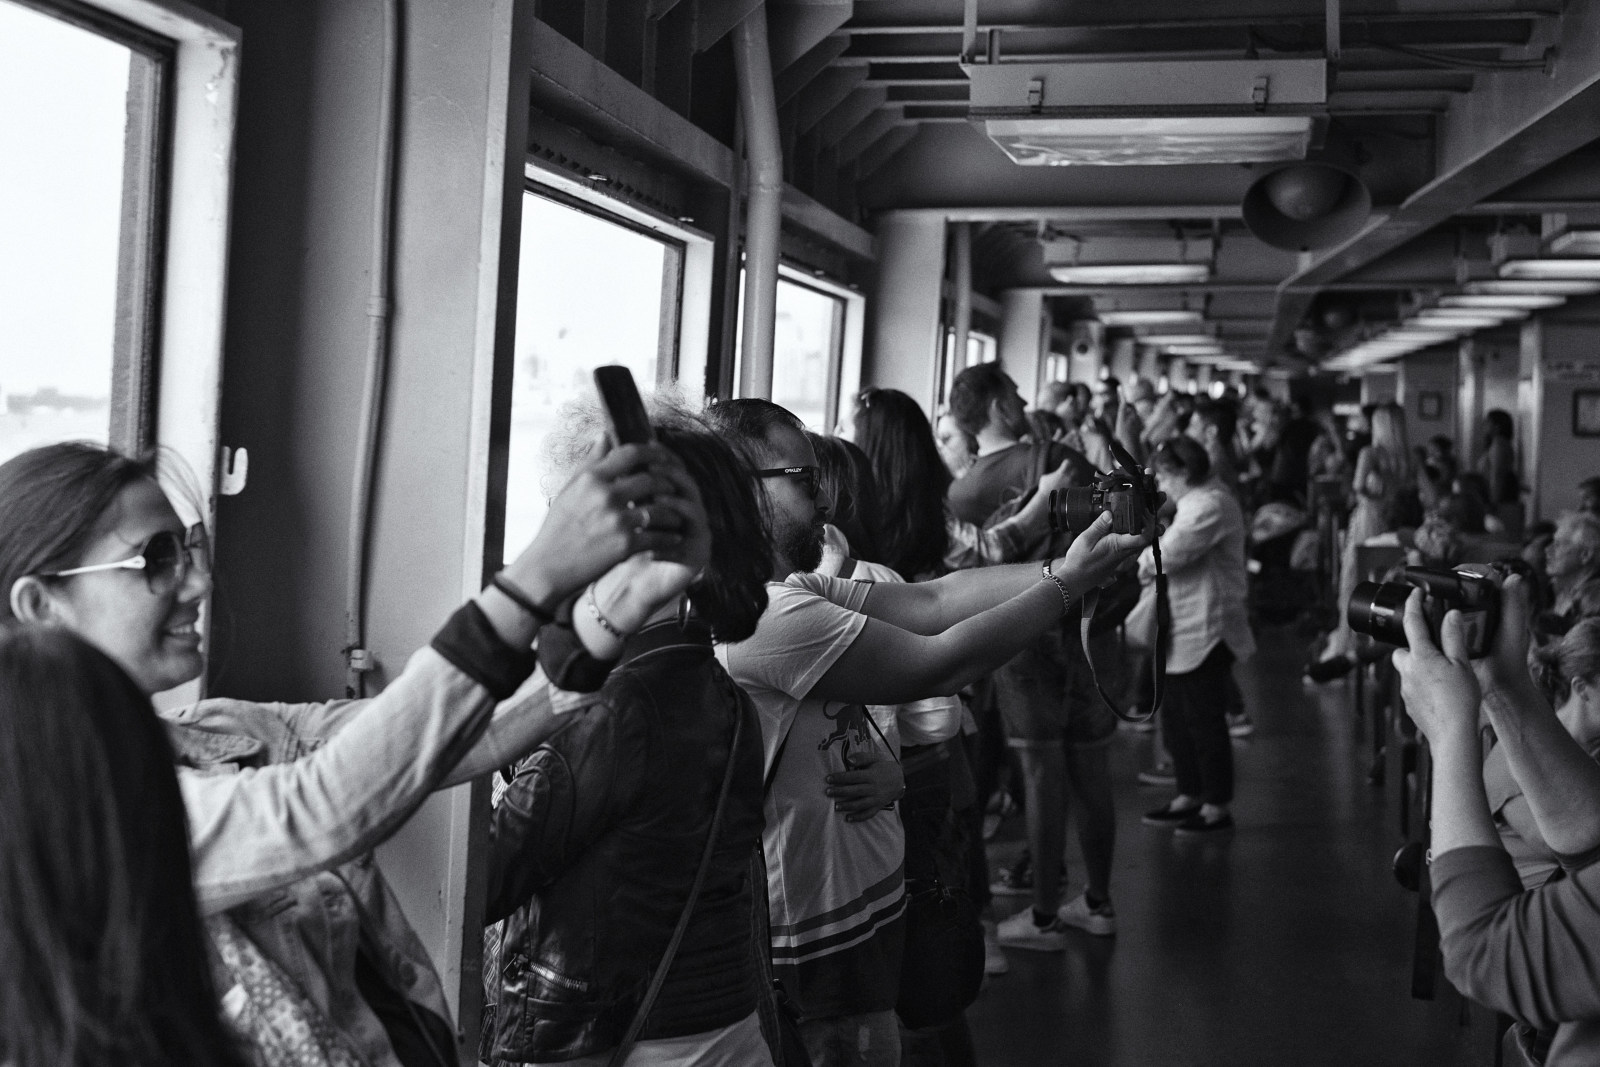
(1128, 493)
(1378, 608)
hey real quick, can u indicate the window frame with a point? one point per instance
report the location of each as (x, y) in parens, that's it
(844, 356)
(172, 278)
(689, 331)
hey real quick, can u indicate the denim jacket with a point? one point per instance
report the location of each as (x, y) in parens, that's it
(286, 801)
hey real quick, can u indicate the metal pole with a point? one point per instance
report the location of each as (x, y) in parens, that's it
(961, 268)
(759, 106)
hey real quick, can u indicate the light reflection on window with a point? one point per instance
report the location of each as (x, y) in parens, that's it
(589, 292)
(805, 338)
(63, 128)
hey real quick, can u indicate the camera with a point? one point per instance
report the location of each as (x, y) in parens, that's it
(1131, 497)
(1378, 608)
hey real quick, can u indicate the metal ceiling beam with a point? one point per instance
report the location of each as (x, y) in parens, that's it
(884, 149)
(797, 26)
(827, 92)
(1122, 16)
(804, 70)
(715, 19)
(864, 136)
(1512, 126)
(849, 114)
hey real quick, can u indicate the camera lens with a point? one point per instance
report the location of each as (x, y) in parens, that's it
(1378, 609)
(1074, 509)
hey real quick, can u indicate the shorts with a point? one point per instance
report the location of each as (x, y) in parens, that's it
(1047, 695)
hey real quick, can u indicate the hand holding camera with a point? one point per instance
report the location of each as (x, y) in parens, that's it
(1436, 676)
(1378, 609)
(1096, 554)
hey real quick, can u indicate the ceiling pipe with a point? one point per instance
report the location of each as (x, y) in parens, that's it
(961, 268)
(758, 107)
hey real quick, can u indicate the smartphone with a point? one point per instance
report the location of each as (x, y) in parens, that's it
(629, 422)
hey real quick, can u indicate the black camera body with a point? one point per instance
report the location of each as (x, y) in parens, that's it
(1378, 608)
(1130, 496)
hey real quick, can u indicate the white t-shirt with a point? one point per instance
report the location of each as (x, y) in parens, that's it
(835, 887)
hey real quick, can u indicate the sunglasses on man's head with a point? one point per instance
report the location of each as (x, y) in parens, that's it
(165, 558)
(808, 475)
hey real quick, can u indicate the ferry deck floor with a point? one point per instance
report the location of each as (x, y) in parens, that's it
(1287, 943)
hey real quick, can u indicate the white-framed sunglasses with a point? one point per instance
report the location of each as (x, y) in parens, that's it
(166, 559)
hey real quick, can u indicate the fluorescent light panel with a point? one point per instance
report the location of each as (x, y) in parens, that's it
(1177, 339)
(1549, 287)
(1526, 301)
(1145, 141)
(1551, 268)
(1151, 317)
(1577, 243)
(1130, 273)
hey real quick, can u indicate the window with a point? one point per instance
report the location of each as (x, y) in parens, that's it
(981, 348)
(806, 342)
(79, 196)
(590, 291)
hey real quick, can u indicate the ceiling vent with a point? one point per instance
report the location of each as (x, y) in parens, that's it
(1113, 113)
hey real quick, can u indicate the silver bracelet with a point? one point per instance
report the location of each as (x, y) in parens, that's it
(599, 617)
(1048, 575)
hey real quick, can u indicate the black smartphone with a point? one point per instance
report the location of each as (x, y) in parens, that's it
(629, 422)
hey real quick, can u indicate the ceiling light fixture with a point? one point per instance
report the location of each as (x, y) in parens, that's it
(1130, 273)
(1551, 268)
(1576, 243)
(1151, 317)
(1118, 112)
(1525, 301)
(1549, 286)
(1177, 339)
(1463, 318)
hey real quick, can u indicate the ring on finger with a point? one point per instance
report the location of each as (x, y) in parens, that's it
(642, 518)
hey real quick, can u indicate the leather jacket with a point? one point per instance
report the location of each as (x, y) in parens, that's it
(594, 846)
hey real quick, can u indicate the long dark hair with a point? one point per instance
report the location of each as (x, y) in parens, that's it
(848, 483)
(99, 930)
(51, 500)
(912, 480)
(733, 593)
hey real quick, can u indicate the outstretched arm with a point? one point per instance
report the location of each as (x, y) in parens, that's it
(1560, 779)
(932, 608)
(967, 628)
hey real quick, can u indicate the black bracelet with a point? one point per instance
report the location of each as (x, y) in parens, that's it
(543, 616)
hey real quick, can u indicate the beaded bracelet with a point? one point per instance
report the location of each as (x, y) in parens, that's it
(515, 594)
(599, 617)
(1048, 575)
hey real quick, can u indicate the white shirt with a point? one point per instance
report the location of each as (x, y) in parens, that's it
(1203, 553)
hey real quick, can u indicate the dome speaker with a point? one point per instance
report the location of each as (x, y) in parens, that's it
(1306, 206)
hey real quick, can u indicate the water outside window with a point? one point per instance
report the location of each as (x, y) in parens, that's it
(63, 128)
(805, 338)
(590, 292)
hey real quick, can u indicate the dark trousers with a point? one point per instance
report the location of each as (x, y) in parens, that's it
(1195, 725)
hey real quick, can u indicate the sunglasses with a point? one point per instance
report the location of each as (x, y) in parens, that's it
(809, 476)
(166, 559)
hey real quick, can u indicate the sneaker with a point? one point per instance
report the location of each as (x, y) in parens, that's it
(1170, 816)
(1019, 931)
(1241, 725)
(1160, 774)
(1015, 880)
(1198, 825)
(1100, 921)
(994, 958)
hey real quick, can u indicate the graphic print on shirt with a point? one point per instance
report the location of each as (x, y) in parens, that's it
(850, 726)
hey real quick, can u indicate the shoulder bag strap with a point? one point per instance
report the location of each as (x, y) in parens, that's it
(619, 1056)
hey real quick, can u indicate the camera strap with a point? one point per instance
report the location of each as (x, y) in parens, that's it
(1158, 645)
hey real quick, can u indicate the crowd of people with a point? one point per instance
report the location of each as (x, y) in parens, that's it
(697, 793)
(740, 813)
